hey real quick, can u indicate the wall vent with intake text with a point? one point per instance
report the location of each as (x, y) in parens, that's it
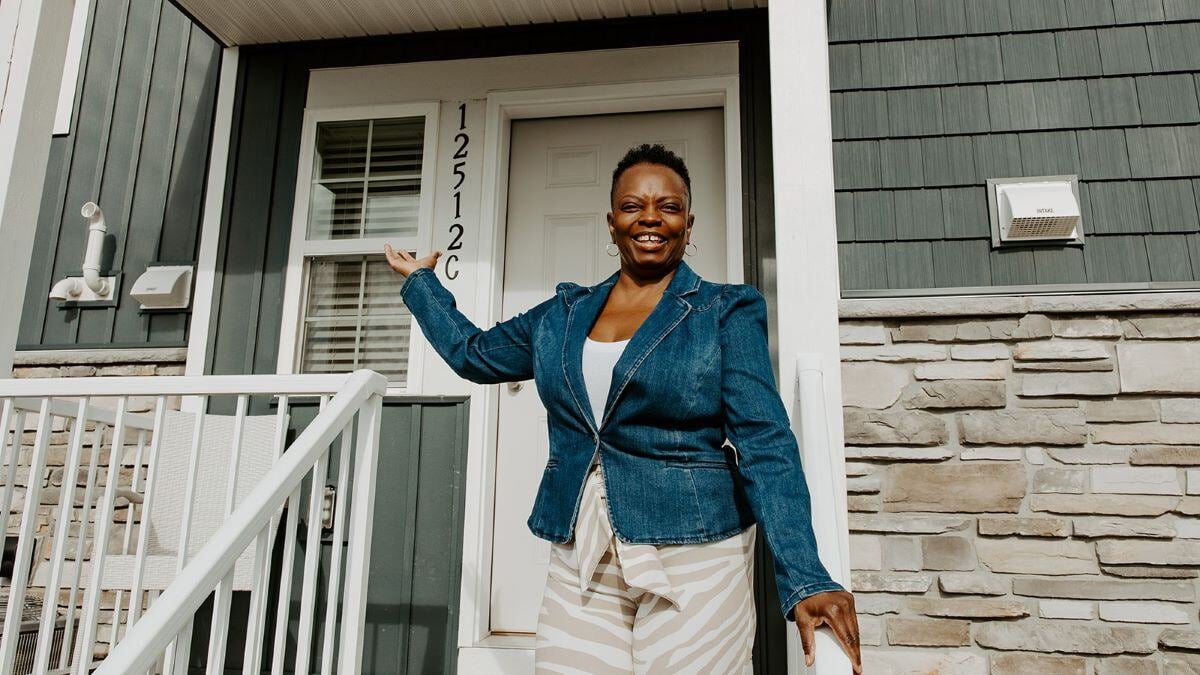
(1035, 210)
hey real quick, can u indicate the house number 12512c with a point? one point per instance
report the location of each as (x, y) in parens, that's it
(461, 143)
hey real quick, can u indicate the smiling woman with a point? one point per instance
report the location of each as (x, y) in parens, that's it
(652, 532)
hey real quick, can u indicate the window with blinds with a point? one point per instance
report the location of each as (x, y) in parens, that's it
(367, 179)
(365, 188)
(355, 318)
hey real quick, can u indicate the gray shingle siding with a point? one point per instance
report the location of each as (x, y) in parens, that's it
(933, 97)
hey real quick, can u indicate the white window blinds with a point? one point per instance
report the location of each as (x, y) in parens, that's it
(365, 188)
(355, 318)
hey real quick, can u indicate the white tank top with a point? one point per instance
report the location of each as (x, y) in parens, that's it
(598, 361)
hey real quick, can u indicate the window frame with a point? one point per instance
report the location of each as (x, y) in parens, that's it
(301, 249)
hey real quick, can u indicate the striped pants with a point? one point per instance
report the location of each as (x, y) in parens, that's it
(612, 608)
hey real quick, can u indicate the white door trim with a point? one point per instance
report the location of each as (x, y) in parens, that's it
(476, 644)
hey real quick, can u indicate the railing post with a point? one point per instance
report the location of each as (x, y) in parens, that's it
(358, 558)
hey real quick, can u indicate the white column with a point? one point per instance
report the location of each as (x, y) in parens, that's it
(807, 281)
(33, 47)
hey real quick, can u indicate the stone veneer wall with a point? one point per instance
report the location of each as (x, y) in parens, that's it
(1023, 491)
(89, 363)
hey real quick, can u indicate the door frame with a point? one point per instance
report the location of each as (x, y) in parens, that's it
(479, 649)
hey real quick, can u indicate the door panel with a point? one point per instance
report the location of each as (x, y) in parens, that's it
(558, 197)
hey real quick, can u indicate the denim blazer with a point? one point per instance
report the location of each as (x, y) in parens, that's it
(696, 372)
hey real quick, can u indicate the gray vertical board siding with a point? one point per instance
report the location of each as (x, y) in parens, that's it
(1105, 89)
(138, 146)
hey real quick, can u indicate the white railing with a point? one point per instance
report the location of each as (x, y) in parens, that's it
(178, 507)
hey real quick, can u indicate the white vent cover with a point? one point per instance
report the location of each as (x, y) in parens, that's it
(1031, 210)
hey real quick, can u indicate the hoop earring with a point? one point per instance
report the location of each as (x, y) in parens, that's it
(690, 243)
(612, 255)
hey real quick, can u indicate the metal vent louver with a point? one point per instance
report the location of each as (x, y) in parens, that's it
(1035, 210)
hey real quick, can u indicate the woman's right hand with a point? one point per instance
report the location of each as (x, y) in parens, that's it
(405, 264)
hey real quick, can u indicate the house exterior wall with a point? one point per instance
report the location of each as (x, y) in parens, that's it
(1026, 482)
(138, 147)
(1022, 469)
(933, 97)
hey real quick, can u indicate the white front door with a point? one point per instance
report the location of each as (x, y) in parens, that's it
(560, 173)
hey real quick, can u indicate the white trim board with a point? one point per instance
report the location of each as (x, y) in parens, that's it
(200, 328)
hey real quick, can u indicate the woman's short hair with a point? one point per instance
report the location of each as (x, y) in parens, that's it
(651, 153)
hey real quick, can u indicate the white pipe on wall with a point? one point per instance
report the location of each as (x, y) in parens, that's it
(97, 228)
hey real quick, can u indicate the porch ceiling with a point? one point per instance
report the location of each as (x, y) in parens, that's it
(247, 22)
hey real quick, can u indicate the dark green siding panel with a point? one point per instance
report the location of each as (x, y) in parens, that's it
(1169, 259)
(1013, 267)
(941, 17)
(1059, 265)
(965, 213)
(865, 114)
(1114, 101)
(900, 162)
(1160, 152)
(837, 114)
(897, 18)
(915, 112)
(1117, 259)
(1078, 53)
(1124, 50)
(978, 58)
(845, 69)
(1011, 107)
(1062, 104)
(1173, 206)
(862, 266)
(851, 20)
(930, 62)
(1174, 46)
(1038, 14)
(1168, 99)
(949, 160)
(1102, 154)
(1049, 153)
(1029, 56)
(1119, 207)
(919, 214)
(987, 16)
(1090, 13)
(147, 74)
(874, 216)
(909, 264)
(856, 164)
(997, 156)
(844, 211)
(1138, 11)
(1181, 9)
(962, 263)
(966, 109)
(415, 567)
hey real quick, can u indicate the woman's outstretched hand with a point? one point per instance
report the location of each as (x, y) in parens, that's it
(836, 610)
(404, 263)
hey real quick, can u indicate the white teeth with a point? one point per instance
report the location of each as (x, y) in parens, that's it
(649, 237)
